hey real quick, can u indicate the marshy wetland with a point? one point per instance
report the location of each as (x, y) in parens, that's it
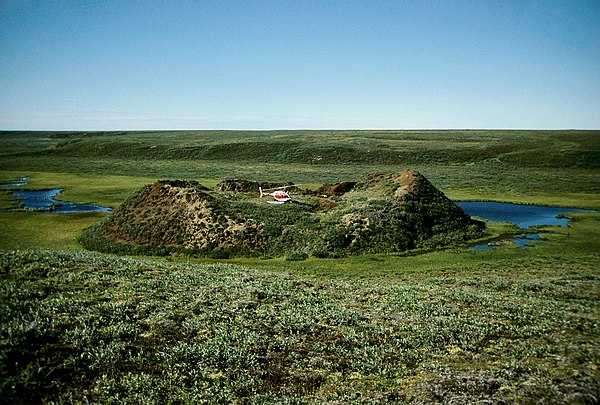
(426, 325)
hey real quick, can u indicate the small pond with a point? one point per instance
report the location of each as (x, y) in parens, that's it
(43, 201)
(522, 215)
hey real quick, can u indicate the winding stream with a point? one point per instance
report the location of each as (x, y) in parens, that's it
(43, 200)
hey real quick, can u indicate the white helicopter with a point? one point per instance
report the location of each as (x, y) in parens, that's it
(279, 195)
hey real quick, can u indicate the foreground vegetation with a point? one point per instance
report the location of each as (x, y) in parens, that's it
(456, 326)
(83, 327)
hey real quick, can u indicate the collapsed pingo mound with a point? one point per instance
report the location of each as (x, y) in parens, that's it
(379, 214)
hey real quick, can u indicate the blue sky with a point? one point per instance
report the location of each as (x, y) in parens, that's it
(85, 65)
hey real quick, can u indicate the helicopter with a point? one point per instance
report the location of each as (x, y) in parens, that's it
(279, 195)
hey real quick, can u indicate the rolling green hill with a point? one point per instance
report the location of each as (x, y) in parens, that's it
(520, 148)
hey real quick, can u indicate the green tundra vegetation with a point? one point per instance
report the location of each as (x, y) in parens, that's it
(449, 324)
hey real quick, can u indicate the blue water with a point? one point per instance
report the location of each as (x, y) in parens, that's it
(524, 240)
(524, 216)
(43, 201)
(520, 240)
